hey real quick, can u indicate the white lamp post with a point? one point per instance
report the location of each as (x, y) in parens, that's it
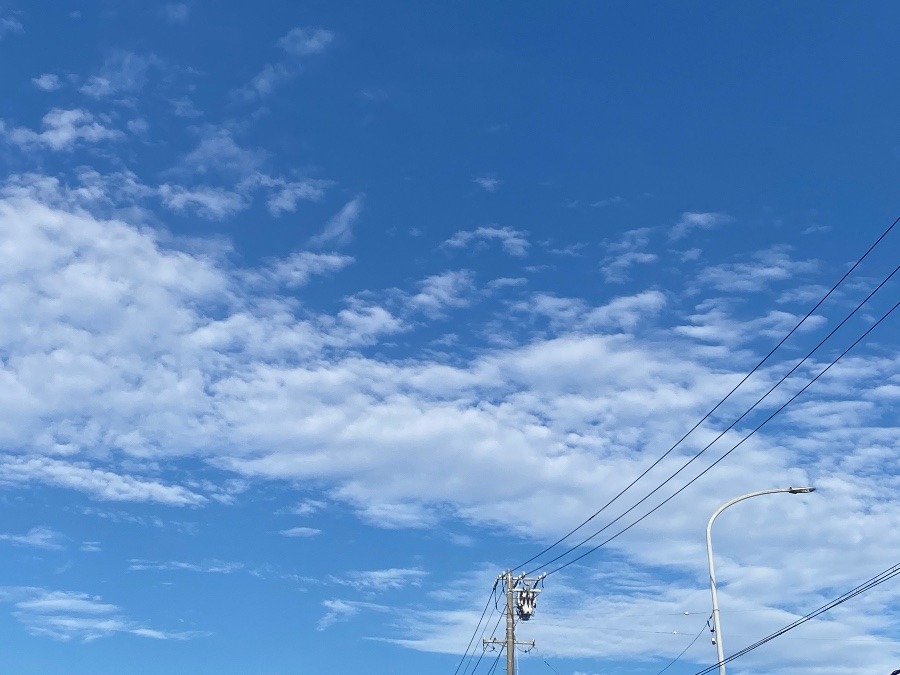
(717, 626)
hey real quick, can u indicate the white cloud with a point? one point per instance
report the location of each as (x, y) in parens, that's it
(38, 537)
(489, 183)
(299, 42)
(101, 484)
(514, 242)
(67, 615)
(691, 221)
(439, 292)
(47, 82)
(339, 230)
(765, 269)
(615, 268)
(301, 532)
(381, 580)
(62, 130)
(219, 153)
(610, 201)
(123, 72)
(208, 567)
(208, 202)
(296, 270)
(626, 252)
(308, 507)
(176, 12)
(343, 610)
(304, 41)
(10, 24)
(120, 347)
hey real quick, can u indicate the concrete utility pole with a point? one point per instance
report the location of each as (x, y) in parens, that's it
(521, 599)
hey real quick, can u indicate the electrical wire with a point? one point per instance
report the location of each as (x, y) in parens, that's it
(717, 405)
(684, 651)
(867, 585)
(711, 466)
(493, 633)
(475, 632)
(734, 423)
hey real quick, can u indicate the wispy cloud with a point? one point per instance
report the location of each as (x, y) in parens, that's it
(297, 44)
(339, 230)
(302, 41)
(381, 580)
(691, 221)
(343, 610)
(764, 269)
(208, 566)
(488, 183)
(176, 12)
(303, 532)
(37, 537)
(208, 202)
(10, 24)
(102, 484)
(67, 615)
(298, 268)
(123, 72)
(514, 242)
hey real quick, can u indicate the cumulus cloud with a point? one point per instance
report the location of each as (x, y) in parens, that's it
(63, 130)
(47, 82)
(120, 346)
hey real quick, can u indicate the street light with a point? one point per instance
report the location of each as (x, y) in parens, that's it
(717, 626)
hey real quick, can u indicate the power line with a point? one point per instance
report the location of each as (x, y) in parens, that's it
(493, 633)
(867, 585)
(710, 467)
(684, 651)
(475, 632)
(736, 421)
(717, 405)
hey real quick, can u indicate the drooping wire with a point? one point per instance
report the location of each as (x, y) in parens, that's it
(867, 585)
(684, 651)
(475, 632)
(735, 422)
(711, 466)
(717, 405)
(481, 656)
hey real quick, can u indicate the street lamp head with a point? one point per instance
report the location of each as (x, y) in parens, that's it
(801, 490)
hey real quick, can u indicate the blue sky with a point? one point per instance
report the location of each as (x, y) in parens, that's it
(317, 316)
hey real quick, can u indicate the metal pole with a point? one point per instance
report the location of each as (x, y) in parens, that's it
(717, 626)
(510, 627)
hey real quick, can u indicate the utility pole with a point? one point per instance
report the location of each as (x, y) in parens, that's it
(521, 599)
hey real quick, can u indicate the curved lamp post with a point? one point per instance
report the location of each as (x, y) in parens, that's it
(717, 627)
